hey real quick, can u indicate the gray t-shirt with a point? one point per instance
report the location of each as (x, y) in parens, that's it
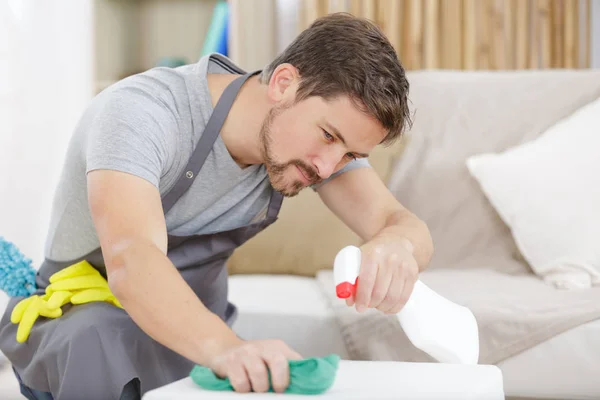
(148, 125)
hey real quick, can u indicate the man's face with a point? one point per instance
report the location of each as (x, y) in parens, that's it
(304, 143)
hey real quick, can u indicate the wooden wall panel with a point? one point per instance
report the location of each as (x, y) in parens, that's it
(475, 34)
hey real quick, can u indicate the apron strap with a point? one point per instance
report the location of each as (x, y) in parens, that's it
(274, 204)
(206, 142)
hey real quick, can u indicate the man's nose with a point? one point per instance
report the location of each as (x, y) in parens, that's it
(326, 165)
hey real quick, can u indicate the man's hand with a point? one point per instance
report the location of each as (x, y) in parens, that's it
(248, 364)
(388, 273)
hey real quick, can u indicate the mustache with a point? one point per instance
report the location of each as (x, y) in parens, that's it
(310, 173)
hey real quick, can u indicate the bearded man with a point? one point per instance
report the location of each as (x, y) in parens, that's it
(169, 171)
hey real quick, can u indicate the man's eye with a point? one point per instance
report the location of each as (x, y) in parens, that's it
(327, 135)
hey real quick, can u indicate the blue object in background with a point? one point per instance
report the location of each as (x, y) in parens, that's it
(217, 35)
(17, 276)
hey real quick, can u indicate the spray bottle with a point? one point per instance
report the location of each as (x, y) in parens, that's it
(445, 330)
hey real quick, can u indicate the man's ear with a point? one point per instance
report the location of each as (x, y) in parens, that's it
(283, 83)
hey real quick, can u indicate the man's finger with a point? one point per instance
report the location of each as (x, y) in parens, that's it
(280, 371)
(366, 278)
(236, 373)
(381, 288)
(257, 373)
(395, 293)
(408, 286)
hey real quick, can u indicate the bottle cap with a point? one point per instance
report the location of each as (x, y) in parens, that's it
(344, 290)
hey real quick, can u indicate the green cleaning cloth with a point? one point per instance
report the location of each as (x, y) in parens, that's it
(308, 376)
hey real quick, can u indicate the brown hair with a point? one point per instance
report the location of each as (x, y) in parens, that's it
(340, 54)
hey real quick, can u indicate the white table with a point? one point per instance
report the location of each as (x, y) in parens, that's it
(373, 381)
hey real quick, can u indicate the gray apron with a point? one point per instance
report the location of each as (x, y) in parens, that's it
(94, 350)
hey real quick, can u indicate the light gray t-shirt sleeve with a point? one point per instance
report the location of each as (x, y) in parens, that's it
(133, 132)
(358, 163)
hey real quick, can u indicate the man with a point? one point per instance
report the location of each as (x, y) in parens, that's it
(172, 169)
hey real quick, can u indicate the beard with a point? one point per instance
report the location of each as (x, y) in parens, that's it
(275, 169)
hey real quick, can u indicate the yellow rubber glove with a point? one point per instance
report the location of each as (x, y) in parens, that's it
(28, 310)
(78, 284)
(85, 284)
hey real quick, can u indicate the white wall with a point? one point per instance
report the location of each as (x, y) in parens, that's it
(46, 76)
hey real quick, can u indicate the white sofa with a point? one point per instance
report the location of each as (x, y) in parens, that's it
(294, 309)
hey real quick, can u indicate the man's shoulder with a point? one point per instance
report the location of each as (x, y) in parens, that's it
(196, 71)
(153, 83)
(174, 87)
(220, 63)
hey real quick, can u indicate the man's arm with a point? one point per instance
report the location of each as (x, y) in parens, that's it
(362, 201)
(128, 216)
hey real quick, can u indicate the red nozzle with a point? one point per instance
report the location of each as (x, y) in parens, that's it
(344, 290)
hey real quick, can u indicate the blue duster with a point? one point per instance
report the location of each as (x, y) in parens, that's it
(17, 275)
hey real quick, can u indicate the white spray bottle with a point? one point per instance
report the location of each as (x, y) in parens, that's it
(445, 330)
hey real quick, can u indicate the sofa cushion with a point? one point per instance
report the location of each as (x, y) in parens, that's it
(548, 192)
(459, 114)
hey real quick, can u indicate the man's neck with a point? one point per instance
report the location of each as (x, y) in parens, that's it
(241, 129)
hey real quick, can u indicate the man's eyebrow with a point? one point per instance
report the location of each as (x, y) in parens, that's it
(337, 133)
